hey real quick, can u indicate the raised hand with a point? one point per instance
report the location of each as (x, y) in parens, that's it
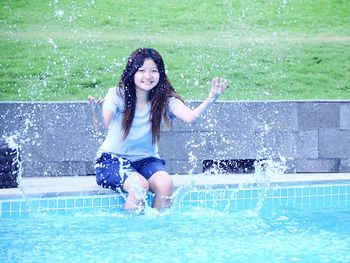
(218, 85)
(93, 101)
(95, 104)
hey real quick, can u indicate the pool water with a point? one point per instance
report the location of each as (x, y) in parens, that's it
(185, 233)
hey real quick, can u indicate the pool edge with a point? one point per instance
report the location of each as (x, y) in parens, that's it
(86, 185)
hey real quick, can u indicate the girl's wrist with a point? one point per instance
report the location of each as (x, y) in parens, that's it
(211, 99)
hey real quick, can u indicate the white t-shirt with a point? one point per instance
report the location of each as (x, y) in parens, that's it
(138, 144)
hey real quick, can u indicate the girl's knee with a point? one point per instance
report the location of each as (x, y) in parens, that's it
(161, 182)
(136, 181)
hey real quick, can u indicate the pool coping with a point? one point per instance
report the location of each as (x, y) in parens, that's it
(86, 185)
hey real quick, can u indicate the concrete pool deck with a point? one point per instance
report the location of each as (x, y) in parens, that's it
(80, 185)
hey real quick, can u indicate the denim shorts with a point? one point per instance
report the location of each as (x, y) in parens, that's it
(112, 170)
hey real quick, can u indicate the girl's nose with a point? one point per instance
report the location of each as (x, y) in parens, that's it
(148, 74)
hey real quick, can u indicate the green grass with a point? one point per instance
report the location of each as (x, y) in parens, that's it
(268, 50)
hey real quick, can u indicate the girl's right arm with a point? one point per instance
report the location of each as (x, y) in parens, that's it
(109, 105)
(107, 116)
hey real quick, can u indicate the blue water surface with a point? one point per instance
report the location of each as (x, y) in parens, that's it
(182, 234)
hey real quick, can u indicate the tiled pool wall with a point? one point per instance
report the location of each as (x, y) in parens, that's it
(275, 197)
(310, 134)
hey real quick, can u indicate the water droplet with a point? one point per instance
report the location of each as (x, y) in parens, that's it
(59, 13)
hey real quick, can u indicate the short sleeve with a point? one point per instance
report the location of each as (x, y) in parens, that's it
(113, 100)
(172, 103)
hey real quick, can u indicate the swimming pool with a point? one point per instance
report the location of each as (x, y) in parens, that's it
(298, 223)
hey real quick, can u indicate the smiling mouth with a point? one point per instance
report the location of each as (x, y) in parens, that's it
(147, 82)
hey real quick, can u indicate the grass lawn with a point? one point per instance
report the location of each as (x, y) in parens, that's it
(268, 50)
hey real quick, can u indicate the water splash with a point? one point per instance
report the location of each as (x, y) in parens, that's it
(193, 162)
(59, 13)
(52, 43)
(265, 170)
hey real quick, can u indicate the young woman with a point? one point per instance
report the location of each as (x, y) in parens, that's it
(134, 112)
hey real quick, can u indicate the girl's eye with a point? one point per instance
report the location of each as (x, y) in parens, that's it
(155, 70)
(141, 70)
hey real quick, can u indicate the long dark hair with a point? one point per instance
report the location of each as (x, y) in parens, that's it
(159, 95)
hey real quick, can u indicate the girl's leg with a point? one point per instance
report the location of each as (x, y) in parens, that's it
(161, 184)
(137, 187)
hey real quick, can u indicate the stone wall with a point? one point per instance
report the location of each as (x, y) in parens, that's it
(60, 138)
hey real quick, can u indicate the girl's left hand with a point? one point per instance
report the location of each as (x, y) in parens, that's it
(218, 85)
(93, 101)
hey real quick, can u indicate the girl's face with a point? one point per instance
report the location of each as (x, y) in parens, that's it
(147, 76)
